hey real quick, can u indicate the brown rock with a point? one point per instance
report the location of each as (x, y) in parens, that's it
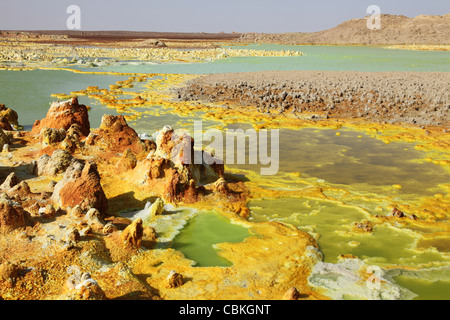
(76, 212)
(172, 187)
(51, 136)
(4, 124)
(175, 279)
(115, 135)
(292, 294)
(191, 194)
(21, 190)
(72, 236)
(9, 114)
(397, 213)
(365, 226)
(86, 231)
(127, 162)
(157, 167)
(93, 216)
(89, 290)
(62, 115)
(48, 212)
(150, 236)
(75, 130)
(81, 286)
(221, 186)
(33, 209)
(69, 144)
(132, 235)
(81, 186)
(11, 217)
(10, 181)
(109, 228)
(4, 139)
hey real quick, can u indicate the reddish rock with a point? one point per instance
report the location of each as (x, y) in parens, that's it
(81, 186)
(191, 194)
(397, 213)
(11, 217)
(171, 168)
(62, 115)
(115, 135)
(172, 186)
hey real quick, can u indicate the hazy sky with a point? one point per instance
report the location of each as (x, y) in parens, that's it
(204, 15)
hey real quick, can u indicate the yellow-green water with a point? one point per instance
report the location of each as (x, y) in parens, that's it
(332, 225)
(202, 232)
(426, 289)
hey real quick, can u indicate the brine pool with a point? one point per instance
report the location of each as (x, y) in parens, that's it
(357, 170)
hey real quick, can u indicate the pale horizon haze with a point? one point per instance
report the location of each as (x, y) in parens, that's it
(204, 15)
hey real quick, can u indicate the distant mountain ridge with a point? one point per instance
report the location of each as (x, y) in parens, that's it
(395, 30)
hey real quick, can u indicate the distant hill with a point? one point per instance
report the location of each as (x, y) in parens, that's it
(395, 30)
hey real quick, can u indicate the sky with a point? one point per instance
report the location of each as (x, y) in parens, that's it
(204, 15)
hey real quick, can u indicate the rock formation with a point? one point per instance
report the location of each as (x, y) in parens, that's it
(4, 139)
(11, 215)
(11, 180)
(397, 213)
(115, 135)
(94, 217)
(109, 228)
(54, 165)
(62, 115)
(81, 286)
(171, 169)
(132, 235)
(47, 211)
(81, 186)
(292, 294)
(21, 190)
(174, 279)
(127, 162)
(51, 136)
(4, 124)
(157, 207)
(9, 115)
